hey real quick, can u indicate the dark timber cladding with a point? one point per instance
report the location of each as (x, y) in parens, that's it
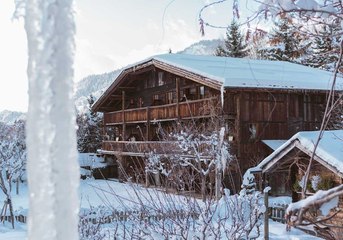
(160, 91)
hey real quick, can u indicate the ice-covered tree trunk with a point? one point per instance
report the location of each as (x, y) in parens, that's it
(53, 172)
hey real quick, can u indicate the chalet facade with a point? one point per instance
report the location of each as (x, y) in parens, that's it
(284, 169)
(261, 100)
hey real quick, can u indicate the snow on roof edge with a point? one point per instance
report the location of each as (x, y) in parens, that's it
(307, 140)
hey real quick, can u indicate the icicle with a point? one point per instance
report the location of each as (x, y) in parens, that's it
(53, 171)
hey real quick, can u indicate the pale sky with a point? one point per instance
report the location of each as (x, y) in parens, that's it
(110, 34)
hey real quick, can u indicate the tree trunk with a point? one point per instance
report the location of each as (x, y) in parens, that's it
(218, 183)
(203, 188)
(17, 186)
(9, 202)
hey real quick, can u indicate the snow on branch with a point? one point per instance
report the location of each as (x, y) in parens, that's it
(322, 200)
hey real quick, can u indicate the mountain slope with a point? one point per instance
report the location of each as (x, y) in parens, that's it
(204, 47)
(10, 117)
(93, 84)
(96, 84)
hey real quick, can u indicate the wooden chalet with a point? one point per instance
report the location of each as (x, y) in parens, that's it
(284, 169)
(261, 100)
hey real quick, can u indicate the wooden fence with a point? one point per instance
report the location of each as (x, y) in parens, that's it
(277, 213)
(124, 216)
(19, 218)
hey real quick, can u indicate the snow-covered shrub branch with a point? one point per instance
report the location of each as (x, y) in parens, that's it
(12, 160)
(199, 151)
(318, 210)
(146, 213)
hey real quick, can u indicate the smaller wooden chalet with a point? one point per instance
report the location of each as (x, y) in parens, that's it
(283, 170)
(261, 100)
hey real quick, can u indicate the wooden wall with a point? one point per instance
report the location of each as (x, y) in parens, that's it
(159, 87)
(251, 115)
(257, 115)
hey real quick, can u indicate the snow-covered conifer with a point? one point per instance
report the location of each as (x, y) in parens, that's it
(89, 129)
(286, 43)
(325, 48)
(234, 43)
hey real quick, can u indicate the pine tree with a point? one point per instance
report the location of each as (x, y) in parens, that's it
(325, 48)
(286, 42)
(89, 129)
(234, 46)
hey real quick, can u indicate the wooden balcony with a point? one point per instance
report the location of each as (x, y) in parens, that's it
(136, 148)
(143, 148)
(184, 110)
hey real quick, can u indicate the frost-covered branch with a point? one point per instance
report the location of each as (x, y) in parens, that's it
(321, 200)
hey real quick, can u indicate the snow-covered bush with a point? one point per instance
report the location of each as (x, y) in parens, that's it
(152, 214)
(90, 224)
(12, 159)
(199, 152)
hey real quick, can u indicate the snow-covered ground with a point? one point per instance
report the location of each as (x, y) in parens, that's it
(100, 192)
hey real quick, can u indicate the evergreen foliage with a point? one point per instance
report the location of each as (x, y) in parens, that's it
(234, 43)
(286, 42)
(89, 129)
(325, 48)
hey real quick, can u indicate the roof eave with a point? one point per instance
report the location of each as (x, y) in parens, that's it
(132, 68)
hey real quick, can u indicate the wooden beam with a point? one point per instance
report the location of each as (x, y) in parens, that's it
(177, 83)
(278, 156)
(188, 74)
(123, 115)
(115, 97)
(147, 124)
(139, 70)
(237, 123)
(127, 88)
(326, 164)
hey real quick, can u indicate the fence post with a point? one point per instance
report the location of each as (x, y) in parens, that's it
(266, 214)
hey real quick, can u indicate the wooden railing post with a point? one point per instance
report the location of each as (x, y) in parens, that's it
(147, 123)
(177, 83)
(266, 214)
(123, 115)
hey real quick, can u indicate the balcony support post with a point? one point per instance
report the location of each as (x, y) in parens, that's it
(147, 124)
(121, 167)
(147, 182)
(123, 115)
(177, 83)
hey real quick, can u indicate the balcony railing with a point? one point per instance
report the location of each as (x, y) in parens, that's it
(143, 148)
(188, 109)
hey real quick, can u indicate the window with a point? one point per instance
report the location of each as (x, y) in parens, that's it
(140, 102)
(151, 82)
(170, 96)
(252, 131)
(191, 93)
(160, 79)
(202, 91)
(156, 97)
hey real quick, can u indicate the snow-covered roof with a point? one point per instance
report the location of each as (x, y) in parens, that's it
(247, 73)
(329, 151)
(274, 144)
(230, 72)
